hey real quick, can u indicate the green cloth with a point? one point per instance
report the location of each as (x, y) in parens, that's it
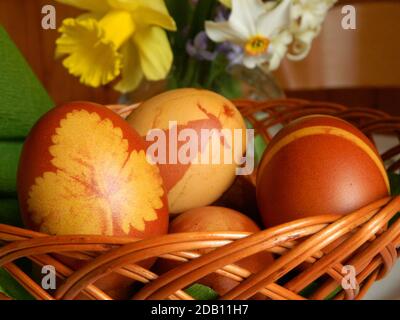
(23, 100)
(9, 212)
(9, 158)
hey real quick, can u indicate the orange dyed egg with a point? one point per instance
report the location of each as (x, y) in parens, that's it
(83, 170)
(318, 165)
(192, 173)
(218, 219)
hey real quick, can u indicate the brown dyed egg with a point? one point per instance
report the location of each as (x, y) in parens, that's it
(191, 176)
(83, 170)
(215, 219)
(318, 165)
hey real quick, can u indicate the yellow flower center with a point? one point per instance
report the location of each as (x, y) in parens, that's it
(257, 45)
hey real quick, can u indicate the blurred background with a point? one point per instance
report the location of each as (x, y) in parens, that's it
(358, 68)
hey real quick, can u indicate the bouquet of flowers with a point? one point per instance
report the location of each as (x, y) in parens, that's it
(190, 43)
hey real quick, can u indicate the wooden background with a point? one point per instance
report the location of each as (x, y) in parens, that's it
(22, 20)
(355, 67)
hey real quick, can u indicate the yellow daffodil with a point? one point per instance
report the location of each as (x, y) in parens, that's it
(117, 37)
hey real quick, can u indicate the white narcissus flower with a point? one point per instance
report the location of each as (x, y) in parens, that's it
(310, 14)
(307, 18)
(263, 34)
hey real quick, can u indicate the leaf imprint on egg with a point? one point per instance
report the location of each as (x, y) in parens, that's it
(98, 186)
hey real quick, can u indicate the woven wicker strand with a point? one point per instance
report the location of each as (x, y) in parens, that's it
(314, 250)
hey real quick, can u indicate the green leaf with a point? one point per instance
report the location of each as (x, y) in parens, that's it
(10, 287)
(190, 78)
(181, 11)
(200, 292)
(23, 100)
(334, 293)
(313, 286)
(228, 86)
(217, 68)
(192, 17)
(309, 290)
(202, 13)
(259, 144)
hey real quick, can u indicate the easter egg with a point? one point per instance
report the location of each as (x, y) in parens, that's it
(218, 219)
(83, 170)
(318, 165)
(197, 169)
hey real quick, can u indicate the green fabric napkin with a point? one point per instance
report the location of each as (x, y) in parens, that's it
(9, 158)
(23, 100)
(9, 212)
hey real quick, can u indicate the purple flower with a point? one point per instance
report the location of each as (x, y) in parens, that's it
(222, 14)
(199, 48)
(233, 52)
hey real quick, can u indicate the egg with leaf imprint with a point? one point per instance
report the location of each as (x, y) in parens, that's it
(83, 170)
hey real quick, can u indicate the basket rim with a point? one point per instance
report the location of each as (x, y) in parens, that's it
(296, 242)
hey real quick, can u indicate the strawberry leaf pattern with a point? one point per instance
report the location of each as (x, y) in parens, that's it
(98, 186)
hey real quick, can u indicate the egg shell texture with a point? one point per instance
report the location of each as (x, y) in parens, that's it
(191, 185)
(318, 165)
(219, 219)
(83, 171)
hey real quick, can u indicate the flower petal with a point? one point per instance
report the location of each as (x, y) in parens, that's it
(154, 51)
(132, 73)
(90, 57)
(272, 22)
(241, 25)
(90, 15)
(244, 15)
(251, 62)
(157, 5)
(201, 40)
(151, 17)
(302, 44)
(152, 12)
(274, 62)
(118, 26)
(90, 5)
(279, 47)
(223, 31)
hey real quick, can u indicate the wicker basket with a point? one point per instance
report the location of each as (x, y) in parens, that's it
(368, 242)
